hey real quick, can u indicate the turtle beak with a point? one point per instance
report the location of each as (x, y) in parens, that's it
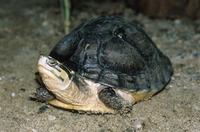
(42, 60)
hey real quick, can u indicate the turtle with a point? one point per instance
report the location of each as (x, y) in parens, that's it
(105, 65)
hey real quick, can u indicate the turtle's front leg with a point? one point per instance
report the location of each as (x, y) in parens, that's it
(113, 100)
(42, 94)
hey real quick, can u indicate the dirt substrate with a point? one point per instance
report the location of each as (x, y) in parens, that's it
(29, 28)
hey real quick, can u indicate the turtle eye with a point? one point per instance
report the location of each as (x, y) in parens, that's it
(51, 62)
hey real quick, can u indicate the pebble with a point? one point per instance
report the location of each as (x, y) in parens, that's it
(184, 87)
(195, 78)
(2, 77)
(177, 22)
(0, 108)
(138, 125)
(45, 23)
(196, 107)
(33, 130)
(13, 94)
(51, 118)
(196, 54)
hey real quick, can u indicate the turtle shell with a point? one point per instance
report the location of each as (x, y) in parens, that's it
(114, 52)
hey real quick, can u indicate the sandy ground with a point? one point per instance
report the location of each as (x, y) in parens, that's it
(32, 27)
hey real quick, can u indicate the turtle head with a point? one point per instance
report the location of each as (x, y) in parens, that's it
(71, 90)
(53, 73)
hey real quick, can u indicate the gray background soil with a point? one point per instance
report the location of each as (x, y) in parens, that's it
(28, 28)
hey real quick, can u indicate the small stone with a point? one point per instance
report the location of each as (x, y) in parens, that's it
(177, 75)
(0, 108)
(180, 41)
(196, 107)
(13, 94)
(177, 22)
(129, 130)
(51, 118)
(45, 23)
(2, 77)
(196, 54)
(170, 86)
(33, 130)
(184, 87)
(179, 84)
(138, 125)
(195, 78)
